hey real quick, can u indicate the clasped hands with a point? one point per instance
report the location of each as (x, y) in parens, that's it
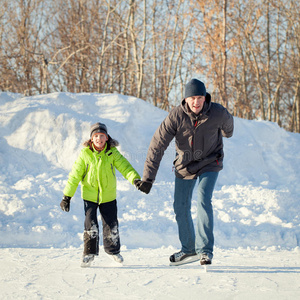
(143, 186)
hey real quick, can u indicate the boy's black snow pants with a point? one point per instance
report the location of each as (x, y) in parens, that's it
(110, 226)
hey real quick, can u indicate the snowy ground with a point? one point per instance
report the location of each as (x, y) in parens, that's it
(145, 274)
(256, 206)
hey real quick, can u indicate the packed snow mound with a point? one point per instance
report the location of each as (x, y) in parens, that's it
(256, 201)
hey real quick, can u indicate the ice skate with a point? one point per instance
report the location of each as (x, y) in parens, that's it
(87, 260)
(181, 258)
(205, 259)
(116, 257)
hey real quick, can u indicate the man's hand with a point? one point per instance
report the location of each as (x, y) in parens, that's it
(143, 186)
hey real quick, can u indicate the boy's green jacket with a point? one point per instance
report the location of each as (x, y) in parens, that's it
(97, 174)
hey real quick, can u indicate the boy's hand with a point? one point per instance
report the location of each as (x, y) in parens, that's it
(65, 203)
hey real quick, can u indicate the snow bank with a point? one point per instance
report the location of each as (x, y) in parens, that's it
(256, 201)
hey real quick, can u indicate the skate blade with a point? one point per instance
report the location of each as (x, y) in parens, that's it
(86, 265)
(188, 260)
(119, 262)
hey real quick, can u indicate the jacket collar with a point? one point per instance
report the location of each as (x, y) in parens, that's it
(103, 150)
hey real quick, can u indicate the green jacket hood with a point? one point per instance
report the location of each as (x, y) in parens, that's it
(109, 144)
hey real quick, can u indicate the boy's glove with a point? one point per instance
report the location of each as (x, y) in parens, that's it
(65, 203)
(143, 186)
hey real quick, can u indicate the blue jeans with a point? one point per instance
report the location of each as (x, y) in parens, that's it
(201, 241)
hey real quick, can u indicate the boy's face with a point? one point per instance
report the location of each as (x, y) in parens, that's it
(195, 103)
(99, 140)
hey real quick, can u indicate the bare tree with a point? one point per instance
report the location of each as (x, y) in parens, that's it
(212, 40)
(21, 44)
(247, 52)
(290, 67)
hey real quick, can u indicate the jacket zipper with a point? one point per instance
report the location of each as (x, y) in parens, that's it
(98, 196)
(194, 136)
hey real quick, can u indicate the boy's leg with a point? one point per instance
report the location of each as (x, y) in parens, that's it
(111, 238)
(205, 222)
(91, 229)
(182, 209)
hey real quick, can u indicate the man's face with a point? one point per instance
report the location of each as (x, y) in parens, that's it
(195, 103)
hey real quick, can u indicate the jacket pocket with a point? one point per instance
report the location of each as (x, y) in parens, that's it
(109, 180)
(195, 166)
(89, 176)
(86, 170)
(112, 170)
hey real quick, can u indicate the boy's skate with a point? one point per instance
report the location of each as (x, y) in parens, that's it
(116, 257)
(87, 260)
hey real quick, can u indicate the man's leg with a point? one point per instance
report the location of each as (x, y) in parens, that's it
(205, 222)
(182, 208)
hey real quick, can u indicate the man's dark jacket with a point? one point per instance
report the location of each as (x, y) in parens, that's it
(199, 144)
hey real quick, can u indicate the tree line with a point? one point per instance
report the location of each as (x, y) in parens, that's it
(246, 51)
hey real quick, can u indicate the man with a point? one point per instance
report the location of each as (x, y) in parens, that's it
(198, 126)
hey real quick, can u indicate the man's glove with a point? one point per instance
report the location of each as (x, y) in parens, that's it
(65, 203)
(143, 186)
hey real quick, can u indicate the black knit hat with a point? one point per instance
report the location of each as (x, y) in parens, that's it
(194, 87)
(98, 128)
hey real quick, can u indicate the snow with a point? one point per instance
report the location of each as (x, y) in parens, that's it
(256, 205)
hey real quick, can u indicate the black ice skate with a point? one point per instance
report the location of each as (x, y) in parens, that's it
(205, 259)
(181, 258)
